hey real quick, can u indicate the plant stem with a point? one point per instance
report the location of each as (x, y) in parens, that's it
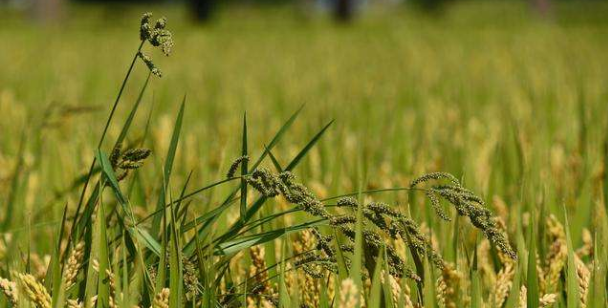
(102, 138)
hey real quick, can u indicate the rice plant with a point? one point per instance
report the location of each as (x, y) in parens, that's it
(138, 229)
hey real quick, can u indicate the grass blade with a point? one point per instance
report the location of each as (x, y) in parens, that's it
(244, 170)
(168, 167)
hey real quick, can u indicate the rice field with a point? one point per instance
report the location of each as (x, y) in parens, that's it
(283, 160)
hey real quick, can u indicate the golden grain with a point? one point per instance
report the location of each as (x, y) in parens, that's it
(9, 288)
(35, 292)
(349, 294)
(161, 300)
(73, 265)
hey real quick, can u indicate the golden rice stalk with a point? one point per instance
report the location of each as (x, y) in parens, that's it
(504, 281)
(448, 285)
(266, 304)
(34, 291)
(583, 276)
(407, 297)
(587, 247)
(93, 301)
(258, 265)
(396, 289)
(548, 299)
(484, 262)
(349, 294)
(112, 287)
(331, 286)
(311, 291)
(39, 265)
(258, 270)
(161, 300)
(73, 265)
(523, 297)
(541, 273)
(558, 254)
(74, 303)
(9, 288)
(545, 300)
(251, 303)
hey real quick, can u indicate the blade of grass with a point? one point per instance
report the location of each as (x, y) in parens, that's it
(244, 171)
(357, 261)
(375, 294)
(175, 264)
(236, 245)
(284, 300)
(103, 134)
(533, 298)
(56, 277)
(103, 291)
(238, 225)
(476, 292)
(168, 166)
(571, 276)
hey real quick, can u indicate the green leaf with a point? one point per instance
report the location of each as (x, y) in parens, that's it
(476, 291)
(210, 217)
(284, 300)
(340, 260)
(56, 277)
(127, 125)
(274, 160)
(357, 261)
(234, 230)
(168, 167)
(106, 167)
(375, 294)
(245, 242)
(147, 239)
(307, 148)
(244, 171)
(175, 265)
(571, 276)
(103, 291)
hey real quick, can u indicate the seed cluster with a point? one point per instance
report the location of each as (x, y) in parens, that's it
(73, 265)
(34, 291)
(9, 289)
(127, 160)
(466, 204)
(235, 165)
(157, 36)
(161, 299)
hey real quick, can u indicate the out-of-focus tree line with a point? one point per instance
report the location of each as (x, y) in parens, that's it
(203, 10)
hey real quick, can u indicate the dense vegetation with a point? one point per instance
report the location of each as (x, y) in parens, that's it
(453, 161)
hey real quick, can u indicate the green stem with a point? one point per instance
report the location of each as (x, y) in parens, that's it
(103, 135)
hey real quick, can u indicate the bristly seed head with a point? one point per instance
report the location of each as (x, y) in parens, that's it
(157, 36)
(466, 204)
(235, 165)
(145, 31)
(151, 66)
